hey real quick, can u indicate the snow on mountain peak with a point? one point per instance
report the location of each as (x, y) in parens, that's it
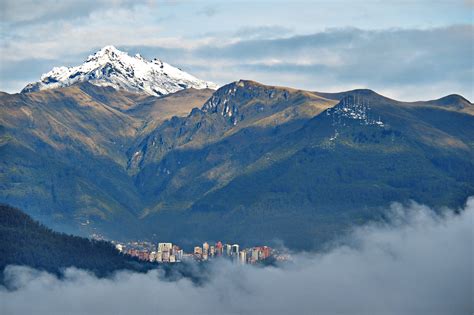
(112, 67)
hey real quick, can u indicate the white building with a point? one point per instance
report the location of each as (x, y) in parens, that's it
(179, 255)
(165, 247)
(205, 248)
(235, 250)
(243, 257)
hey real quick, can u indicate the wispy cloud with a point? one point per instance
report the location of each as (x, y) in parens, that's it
(416, 51)
(420, 263)
(34, 12)
(403, 63)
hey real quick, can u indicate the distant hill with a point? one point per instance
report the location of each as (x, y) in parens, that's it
(24, 241)
(248, 163)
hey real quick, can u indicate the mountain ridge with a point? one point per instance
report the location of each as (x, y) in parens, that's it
(112, 67)
(133, 165)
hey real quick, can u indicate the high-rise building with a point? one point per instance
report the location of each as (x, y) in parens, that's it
(243, 257)
(179, 255)
(165, 247)
(205, 248)
(164, 250)
(219, 248)
(228, 249)
(212, 251)
(235, 250)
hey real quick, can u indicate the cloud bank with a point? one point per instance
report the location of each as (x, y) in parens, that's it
(404, 64)
(420, 263)
(407, 64)
(410, 51)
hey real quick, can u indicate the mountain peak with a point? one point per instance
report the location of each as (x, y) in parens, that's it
(108, 51)
(112, 67)
(452, 100)
(229, 100)
(109, 48)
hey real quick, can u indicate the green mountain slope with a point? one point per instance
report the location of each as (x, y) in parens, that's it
(340, 168)
(64, 150)
(24, 241)
(248, 163)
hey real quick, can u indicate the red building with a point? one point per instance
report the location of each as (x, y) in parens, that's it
(219, 248)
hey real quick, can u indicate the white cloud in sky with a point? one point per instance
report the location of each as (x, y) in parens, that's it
(413, 50)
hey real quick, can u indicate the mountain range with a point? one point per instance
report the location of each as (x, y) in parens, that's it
(128, 155)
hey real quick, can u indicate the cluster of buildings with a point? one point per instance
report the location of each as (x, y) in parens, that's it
(244, 256)
(163, 252)
(169, 253)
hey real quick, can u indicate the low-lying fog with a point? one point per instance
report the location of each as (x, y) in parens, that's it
(420, 263)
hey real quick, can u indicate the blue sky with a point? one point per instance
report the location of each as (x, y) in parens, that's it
(404, 49)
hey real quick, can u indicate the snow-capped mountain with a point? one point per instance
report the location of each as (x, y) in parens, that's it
(112, 67)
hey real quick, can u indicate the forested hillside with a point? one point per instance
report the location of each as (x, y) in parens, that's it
(24, 241)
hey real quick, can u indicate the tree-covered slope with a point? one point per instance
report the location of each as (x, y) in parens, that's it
(24, 241)
(342, 167)
(249, 163)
